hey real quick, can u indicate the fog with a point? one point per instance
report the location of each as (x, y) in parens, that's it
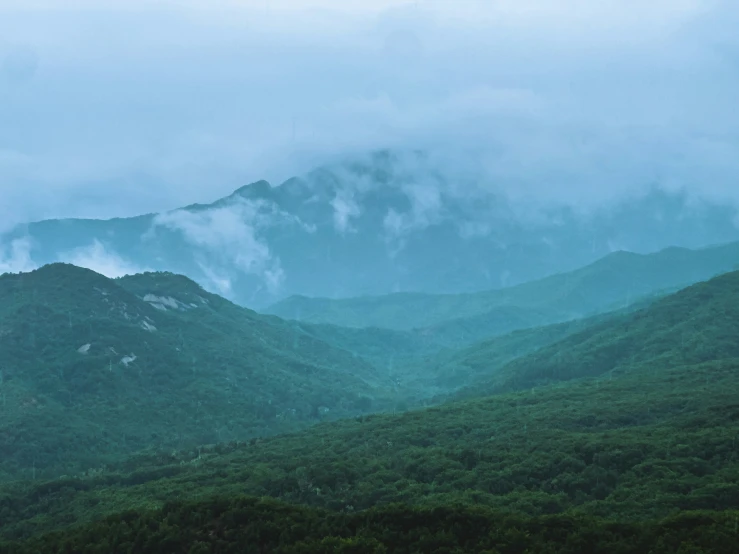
(146, 106)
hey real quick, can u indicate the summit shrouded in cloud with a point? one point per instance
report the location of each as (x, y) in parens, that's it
(392, 221)
(559, 102)
(423, 145)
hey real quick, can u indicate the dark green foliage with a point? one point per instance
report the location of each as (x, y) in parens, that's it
(205, 370)
(634, 447)
(439, 360)
(453, 369)
(638, 447)
(249, 525)
(695, 325)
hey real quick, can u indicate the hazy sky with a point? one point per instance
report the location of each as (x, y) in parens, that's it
(142, 105)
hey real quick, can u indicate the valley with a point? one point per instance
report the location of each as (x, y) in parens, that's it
(138, 392)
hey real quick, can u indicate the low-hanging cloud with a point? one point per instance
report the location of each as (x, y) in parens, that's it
(345, 208)
(15, 257)
(572, 102)
(229, 238)
(101, 259)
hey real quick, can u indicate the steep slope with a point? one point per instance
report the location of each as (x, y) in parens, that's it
(610, 283)
(92, 369)
(385, 222)
(695, 325)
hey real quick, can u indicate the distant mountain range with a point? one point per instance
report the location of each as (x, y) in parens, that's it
(613, 282)
(391, 222)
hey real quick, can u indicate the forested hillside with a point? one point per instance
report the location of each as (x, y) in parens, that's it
(92, 369)
(634, 449)
(695, 325)
(609, 435)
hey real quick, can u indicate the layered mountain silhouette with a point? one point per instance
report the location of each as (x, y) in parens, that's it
(613, 282)
(389, 222)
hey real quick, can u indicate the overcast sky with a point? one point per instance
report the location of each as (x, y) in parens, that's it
(142, 106)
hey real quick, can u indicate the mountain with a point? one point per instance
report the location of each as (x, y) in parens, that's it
(624, 429)
(382, 223)
(466, 366)
(693, 326)
(609, 283)
(635, 447)
(92, 369)
(153, 360)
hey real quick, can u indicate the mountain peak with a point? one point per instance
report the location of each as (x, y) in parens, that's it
(258, 189)
(48, 276)
(164, 278)
(65, 271)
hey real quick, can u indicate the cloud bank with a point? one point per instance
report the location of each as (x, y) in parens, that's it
(228, 240)
(567, 101)
(16, 257)
(101, 259)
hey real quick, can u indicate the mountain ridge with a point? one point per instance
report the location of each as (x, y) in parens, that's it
(611, 282)
(388, 221)
(692, 326)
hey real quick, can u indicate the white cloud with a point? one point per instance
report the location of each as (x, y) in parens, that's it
(345, 208)
(100, 259)
(426, 208)
(568, 100)
(16, 256)
(228, 237)
(216, 282)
